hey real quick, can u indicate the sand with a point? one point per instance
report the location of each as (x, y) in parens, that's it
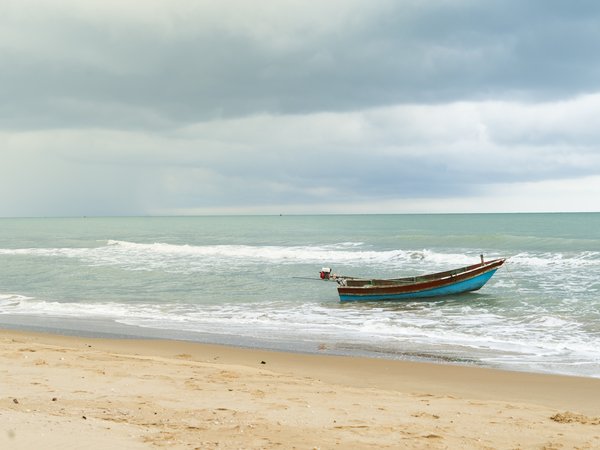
(72, 393)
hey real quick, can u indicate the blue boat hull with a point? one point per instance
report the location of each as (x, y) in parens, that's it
(472, 284)
(450, 282)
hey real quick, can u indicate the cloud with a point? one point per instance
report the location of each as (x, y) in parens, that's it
(347, 105)
(402, 154)
(163, 63)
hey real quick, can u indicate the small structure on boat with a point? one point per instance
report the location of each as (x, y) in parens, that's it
(450, 282)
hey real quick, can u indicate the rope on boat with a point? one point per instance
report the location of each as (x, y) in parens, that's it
(509, 272)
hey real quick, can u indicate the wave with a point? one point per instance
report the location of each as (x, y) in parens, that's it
(12, 300)
(487, 335)
(22, 305)
(191, 258)
(159, 254)
(579, 259)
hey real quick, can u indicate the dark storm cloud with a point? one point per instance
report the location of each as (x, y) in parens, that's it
(117, 71)
(127, 107)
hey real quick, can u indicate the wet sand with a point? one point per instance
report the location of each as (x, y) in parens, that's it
(75, 392)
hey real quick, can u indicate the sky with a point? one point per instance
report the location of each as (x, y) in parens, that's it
(183, 107)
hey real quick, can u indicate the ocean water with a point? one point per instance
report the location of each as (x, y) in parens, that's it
(253, 281)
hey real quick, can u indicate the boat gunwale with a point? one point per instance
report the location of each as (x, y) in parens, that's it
(429, 281)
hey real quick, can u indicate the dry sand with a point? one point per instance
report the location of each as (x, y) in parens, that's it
(72, 393)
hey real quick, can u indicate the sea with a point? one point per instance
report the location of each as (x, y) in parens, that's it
(253, 281)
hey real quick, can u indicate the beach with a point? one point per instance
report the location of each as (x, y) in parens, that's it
(67, 392)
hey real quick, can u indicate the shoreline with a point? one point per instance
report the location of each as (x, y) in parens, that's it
(147, 393)
(109, 329)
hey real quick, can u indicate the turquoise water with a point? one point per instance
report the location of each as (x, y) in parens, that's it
(242, 281)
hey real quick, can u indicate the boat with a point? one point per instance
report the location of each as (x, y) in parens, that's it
(451, 282)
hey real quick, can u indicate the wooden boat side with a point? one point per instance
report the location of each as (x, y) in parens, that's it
(351, 281)
(403, 287)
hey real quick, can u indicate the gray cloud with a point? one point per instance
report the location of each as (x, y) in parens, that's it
(155, 68)
(122, 107)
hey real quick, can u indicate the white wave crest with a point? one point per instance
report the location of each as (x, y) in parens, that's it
(11, 300)
(582, 259)
(144, 256)
(548, 341)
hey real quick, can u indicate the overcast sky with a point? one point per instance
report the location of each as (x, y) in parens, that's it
(123, 107)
